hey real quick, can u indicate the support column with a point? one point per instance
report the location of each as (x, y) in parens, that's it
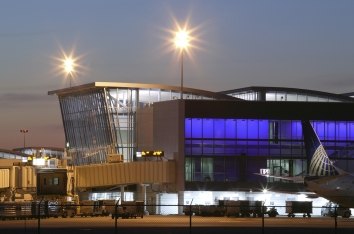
(180, 201)
(158, 204)
(122, 193)
(141, 194)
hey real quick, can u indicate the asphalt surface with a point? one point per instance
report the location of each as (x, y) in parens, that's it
(174, 224)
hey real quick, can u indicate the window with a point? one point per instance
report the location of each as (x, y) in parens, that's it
(274, 131)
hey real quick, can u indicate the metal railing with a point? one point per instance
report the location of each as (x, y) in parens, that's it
(117, 217)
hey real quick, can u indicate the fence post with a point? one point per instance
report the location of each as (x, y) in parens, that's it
(335, 219)
(39, 217)
(263, 214)
(190, 217)
(115, 216)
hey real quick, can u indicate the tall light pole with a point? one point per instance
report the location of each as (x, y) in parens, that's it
(24, 131)
(181, 41)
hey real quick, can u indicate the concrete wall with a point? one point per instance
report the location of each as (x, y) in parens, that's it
(144, 128)
(169, 135)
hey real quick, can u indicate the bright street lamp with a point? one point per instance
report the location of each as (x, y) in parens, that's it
(69, 67)
(182, 42)
(24, 131)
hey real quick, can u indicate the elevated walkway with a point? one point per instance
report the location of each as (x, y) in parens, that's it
(113, 174)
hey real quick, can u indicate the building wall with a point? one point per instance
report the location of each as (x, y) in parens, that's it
(144, 127)
(169, 135)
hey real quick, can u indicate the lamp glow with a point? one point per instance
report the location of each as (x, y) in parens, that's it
(68, 65)
(182, 39)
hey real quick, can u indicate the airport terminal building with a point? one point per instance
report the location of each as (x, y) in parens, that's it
(213, 143)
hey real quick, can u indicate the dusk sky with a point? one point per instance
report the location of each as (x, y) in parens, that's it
(289, 43)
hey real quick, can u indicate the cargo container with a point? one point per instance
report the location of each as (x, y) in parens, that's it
(303, 207)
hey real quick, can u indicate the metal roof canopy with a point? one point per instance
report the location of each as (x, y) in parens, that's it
(342, 97)
(99, 85)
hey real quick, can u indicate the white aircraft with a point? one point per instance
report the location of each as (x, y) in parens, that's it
(323, 178)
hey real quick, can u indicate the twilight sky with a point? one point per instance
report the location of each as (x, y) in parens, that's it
(293, 43)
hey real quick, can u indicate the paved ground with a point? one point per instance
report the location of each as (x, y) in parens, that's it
(179, 224)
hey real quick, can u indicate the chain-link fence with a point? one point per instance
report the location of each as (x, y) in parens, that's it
(109, 216)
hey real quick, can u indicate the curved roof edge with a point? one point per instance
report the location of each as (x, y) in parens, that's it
(39, 148)
(99, 85)
(292, 90)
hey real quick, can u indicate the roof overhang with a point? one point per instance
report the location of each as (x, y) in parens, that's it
(100, 85)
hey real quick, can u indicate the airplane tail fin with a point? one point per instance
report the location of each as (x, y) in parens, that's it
(319, 162)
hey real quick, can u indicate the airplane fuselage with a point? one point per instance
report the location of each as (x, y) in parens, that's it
(338, 188)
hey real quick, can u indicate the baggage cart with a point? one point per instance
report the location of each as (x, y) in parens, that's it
(304, 207)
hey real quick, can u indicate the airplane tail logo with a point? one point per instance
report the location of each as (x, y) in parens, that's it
(320, 164)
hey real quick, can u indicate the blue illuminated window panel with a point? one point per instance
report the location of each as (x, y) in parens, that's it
(230, 147)
(251, 136)
(219, 127)
(351, 131)
(341, 131)
(263, 129)
(330, 130)
(242, 128)
(197, 147)
(197, 127)
(252, 129)
(208, 147)
(219, 147)
(188, 128)
(285, 130)
(230, 128)
(319, 127)
(208, 128)
(296, 130)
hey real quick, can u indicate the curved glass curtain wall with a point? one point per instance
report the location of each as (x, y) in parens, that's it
(103, 121)
(87, 127)
(235, 149)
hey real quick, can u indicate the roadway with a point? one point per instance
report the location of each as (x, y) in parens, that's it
(179, 224)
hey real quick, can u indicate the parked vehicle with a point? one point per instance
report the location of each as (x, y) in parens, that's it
(68, 209)
(331, 209)
(92, 208)
(129, 209)
(244, 208)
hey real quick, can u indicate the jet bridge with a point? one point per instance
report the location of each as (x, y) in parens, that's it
(113, 174)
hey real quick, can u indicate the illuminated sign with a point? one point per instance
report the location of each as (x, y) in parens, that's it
(152, 153)
(264, 171)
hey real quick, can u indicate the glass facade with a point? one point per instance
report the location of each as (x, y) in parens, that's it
(296, 97)
(87, 127)
(235, 149)
(103, 121)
